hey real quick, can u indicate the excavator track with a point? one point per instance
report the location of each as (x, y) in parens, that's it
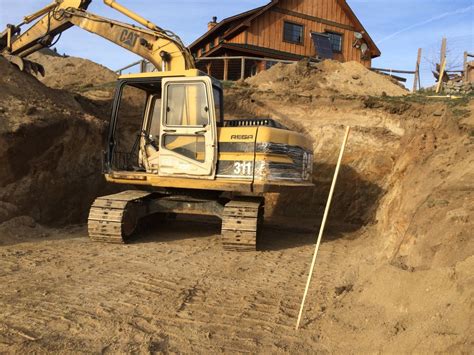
(113, 218)
(240, 224)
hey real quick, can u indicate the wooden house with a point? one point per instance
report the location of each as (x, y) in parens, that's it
(283, 30)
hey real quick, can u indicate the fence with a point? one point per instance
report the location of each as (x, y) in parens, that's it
(468, 68)
(235, 68)
(222, 68)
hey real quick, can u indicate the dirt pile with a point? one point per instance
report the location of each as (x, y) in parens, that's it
(50, 150)
(325, 79)
(406, 195)
(76, 74)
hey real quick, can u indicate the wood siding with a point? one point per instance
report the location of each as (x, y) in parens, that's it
(315, 15)
(266, 29)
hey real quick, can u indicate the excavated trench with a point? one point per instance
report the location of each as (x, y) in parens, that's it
(394, 273)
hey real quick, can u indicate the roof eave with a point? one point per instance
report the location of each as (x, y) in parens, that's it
(224, 22)
(360, 28)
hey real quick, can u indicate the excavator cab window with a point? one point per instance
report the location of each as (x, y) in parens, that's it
(155, 117)
(130, 107)
(187, 105)
(218, 103)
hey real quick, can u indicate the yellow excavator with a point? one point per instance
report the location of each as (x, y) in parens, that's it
(184, 157)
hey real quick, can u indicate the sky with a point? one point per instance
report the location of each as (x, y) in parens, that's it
(398, 27)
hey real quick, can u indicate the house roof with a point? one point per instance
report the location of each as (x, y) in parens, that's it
(235, 24)
(360, 27)
(225, 23)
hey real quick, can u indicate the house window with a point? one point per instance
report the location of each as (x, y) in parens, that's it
(211, 45)
(336, 41)
(292, 32)
(203, 50)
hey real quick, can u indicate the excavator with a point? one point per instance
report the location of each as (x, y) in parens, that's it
(185, 158)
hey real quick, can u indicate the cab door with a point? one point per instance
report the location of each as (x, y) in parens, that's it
(188, 133)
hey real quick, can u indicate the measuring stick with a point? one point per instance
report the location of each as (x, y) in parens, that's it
(323, 223)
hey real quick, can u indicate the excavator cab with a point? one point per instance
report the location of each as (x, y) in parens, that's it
(177, 132)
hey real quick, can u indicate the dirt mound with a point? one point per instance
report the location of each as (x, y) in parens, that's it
(405, 193)
(76, 74)
(50, 150)
(15, 230)
(323, 79)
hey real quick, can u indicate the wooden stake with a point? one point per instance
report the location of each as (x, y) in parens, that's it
(323, 223)
(444, 46)
(465, 67)
(441, 74)
(417, 71)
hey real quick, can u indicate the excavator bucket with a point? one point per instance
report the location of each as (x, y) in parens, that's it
(25, 65)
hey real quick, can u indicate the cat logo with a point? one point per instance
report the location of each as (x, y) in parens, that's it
(128, 38)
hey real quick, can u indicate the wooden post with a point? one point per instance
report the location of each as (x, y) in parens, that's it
(416, 81)
(441, 74)
(143, 66)
(442, 64)
(208, 68)
(465, 68)
(444, 46)
(242, 69)
(226, 69)
(323, 223)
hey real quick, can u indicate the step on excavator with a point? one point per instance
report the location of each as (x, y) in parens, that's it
(182, 157)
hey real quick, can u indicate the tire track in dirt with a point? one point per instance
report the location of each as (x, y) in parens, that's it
(184, 296)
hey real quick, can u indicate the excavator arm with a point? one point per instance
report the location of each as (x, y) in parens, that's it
(162, 48)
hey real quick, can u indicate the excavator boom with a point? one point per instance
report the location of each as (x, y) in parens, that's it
(162, 48)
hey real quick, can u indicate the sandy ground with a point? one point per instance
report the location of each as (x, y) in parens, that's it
(174, 290)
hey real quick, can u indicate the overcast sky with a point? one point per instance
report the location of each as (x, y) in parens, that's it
(399, 27)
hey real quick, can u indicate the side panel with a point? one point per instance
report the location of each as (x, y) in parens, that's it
(282, 155)
(264, 154)
(236, 152)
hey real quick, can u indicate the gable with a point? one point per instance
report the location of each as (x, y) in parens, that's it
(336, 13)
(261, 27)
(330, 15)
(329, 10)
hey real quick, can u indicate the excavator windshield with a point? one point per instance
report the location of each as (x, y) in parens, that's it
(187, 104)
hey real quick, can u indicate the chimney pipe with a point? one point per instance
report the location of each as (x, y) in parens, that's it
(212, 24)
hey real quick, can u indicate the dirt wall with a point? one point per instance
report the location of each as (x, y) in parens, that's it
(50, 150)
